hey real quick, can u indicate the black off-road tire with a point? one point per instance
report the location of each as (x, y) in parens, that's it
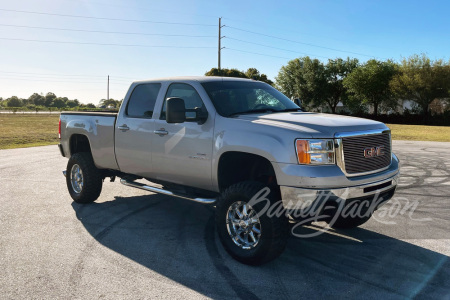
(92, 180)
(274, 229)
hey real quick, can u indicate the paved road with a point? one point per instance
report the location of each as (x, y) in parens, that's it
(131, 244)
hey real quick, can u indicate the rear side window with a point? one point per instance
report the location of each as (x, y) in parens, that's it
(142, 100)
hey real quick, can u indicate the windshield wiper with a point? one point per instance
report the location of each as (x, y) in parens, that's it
(253, 111)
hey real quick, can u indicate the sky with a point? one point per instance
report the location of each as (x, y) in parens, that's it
(69, 47)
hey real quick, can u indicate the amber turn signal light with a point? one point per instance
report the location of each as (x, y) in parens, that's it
(302, 152)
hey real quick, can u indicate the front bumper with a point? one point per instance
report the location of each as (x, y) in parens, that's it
(295, 198)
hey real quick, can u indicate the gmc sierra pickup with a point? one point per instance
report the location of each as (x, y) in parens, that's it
(229, 143)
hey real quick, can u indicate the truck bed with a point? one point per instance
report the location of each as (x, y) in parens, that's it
(97, 127)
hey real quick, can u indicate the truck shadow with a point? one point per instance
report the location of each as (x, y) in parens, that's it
(176, 239)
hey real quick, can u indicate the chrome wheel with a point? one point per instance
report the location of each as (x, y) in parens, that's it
(76, 178)
(243, 225)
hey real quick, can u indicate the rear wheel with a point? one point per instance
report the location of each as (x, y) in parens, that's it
(248, 237)
(84, 180)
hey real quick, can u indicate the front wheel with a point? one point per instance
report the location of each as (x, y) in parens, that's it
(245, 229)
(84, 180)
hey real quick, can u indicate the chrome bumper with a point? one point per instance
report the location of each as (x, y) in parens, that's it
(295, 198)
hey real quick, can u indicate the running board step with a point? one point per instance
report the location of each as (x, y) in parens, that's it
(149, 188)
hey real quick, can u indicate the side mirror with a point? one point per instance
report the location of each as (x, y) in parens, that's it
(175, 110)
(200, 115)
(298, 102)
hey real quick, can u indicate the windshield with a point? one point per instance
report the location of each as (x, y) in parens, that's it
(235, 97)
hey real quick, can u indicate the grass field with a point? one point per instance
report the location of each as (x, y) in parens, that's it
(28, 130)
(420, 132)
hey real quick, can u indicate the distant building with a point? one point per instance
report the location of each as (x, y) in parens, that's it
(438, 106)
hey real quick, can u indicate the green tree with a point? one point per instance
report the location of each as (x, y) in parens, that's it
(422, 80)
(49, 98)
(336, 70)
(90, 105)
(251, 73)
(14, 101)
(59, 102)
(226, 73)
(315, 83)
(289, 77)
(303, 78)
(72, 103)
(109, 102)
(36, 99)
(369, 84)
(38, 108)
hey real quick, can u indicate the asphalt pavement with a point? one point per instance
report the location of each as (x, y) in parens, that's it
(131, 244)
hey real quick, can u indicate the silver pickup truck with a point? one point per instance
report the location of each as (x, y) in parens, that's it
(241, 146)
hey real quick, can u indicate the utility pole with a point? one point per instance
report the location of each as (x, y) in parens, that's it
(220, 38)
(107, 93)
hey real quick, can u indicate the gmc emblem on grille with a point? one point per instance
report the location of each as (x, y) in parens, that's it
(373, 151)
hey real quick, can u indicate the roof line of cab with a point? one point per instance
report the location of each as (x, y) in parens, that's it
(193, 78)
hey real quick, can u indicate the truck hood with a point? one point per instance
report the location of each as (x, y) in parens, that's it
(317, 125)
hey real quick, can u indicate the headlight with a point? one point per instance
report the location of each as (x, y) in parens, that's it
(315, 152)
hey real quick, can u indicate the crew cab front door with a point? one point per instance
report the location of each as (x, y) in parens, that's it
(181, 153)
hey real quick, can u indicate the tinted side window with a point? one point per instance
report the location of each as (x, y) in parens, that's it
(188, 94)
(142, 100)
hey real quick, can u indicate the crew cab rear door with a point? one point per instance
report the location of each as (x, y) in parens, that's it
(182, 152)
(134, 130)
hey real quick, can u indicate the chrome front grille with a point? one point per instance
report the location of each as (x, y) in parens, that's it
(364, 154)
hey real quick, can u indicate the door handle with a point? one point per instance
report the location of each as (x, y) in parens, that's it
(124, 127)
(161, 132)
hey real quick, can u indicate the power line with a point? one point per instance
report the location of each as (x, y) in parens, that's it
(114, 32)
(47, 74)
(108, 44)
(50, 80)
(297, 42)
(257, 53)
(56, 74)
(140, 8)
(296, 31)
(32, 79)
(79, 80)
(293, 51)
(94, 79)
(77, 90)
(103, 18)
